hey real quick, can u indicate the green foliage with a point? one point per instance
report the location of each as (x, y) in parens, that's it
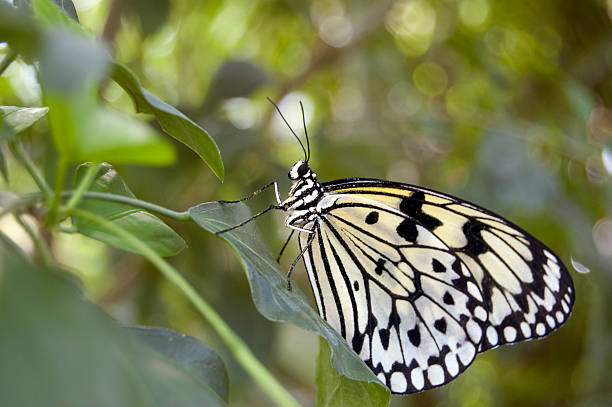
(149, 228)
(190, 353)
(171, 120)
(17, 119)
(70, 351)
(337, 390)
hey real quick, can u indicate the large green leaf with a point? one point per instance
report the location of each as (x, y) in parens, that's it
(190, 353)
(149, 228)
(171, 120)
(57, 350)
(269, 288)
(334, 390)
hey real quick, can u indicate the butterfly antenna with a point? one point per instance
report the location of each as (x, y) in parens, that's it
(293, 132)
(305, 131)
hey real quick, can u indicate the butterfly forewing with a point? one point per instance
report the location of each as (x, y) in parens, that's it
(410, 308)
(526, 289)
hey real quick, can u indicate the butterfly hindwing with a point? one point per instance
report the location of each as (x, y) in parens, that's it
(526, 288)
(410, 309)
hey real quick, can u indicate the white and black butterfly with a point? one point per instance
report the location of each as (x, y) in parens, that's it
(416, 281)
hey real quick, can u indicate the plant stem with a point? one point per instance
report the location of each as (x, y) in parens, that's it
(31, 199)
(74, 200)
(104, 196)
(41, 246)
(20, 154)
(238, 348)
(60, 175)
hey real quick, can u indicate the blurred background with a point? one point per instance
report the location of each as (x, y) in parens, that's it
(506, 103)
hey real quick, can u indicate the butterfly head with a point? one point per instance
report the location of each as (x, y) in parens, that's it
(300, 170)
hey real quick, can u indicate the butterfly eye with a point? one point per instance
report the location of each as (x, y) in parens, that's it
(302, 169)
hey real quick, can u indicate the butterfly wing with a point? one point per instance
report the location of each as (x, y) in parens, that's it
(418, 281)
(526, 288)
(411, 310)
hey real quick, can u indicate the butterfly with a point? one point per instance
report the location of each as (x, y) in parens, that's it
(416, 281)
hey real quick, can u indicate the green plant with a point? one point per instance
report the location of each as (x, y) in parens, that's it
(66, 347)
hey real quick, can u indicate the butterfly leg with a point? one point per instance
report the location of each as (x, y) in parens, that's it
(306, 247)
(269, 208)
(260, 190)
(284, 246)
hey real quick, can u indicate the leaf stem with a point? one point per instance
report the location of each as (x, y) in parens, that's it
(41, 246)
(74, 200)
(238, 348)
(20, 154)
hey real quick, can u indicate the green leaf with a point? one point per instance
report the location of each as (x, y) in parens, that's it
(16, 119)
(149, 228)
(334, 390)
(269, 288)
(58, 350)
(57, 13)
(192, 354)
(82, 131)
(175, 123)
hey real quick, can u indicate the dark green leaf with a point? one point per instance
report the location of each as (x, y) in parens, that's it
(58, 350)
(149, 228)
(268, 284)
(175, 123)
(192, 354)
(16, 119)
(334, 390)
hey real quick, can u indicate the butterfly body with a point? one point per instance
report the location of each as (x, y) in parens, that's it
(419, 282)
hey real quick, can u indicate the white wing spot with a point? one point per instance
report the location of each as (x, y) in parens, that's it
(398, 382)
(435, 374)
(480, 313)
(466, 353)
(551, 321)
(540, 329)
(474, 331)
(559, 316)
(510, 333)
(417, 379)
(565, 306)
(492, 335)
(526, 329)
(451, 364)
(381, 376)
